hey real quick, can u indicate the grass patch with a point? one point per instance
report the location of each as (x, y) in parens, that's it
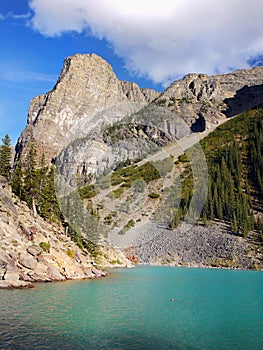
(129, 225)
(153, 195)
(45, 246)
(116, 193)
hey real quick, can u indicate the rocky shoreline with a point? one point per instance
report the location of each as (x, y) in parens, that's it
(33, 250)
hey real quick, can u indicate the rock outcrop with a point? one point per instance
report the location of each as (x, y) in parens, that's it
(32, 250)
(202, 101)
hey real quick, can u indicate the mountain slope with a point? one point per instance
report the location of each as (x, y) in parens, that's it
(234, 152)
(229, 233)
(133, 201)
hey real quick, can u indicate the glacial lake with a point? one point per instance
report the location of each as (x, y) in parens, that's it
(142, 308)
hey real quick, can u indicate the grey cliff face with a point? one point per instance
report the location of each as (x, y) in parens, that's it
(202, 101)
(87, 91)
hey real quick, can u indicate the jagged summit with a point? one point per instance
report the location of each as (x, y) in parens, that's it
(213, 98)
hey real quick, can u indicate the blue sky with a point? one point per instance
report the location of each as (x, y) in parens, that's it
(149, 42)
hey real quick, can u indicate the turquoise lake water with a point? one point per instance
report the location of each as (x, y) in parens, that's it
(132, 309)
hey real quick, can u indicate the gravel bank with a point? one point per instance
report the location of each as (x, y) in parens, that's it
(199, 246)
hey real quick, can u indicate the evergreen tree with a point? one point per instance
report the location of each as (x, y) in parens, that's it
(30, 178)
(47, 201)
(17, 180)
(234, 225)
(5, 157)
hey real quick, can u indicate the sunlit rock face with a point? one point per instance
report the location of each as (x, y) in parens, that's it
(86, 94)
(202, 101)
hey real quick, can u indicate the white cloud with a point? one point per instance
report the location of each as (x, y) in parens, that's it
(13, 72)
(163, 39)
(23, 16)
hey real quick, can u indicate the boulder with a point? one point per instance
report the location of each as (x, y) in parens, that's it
(11, 274)
(28, 261)
(54, 273)
(25, 278)
(39, 277)
(96, 272)
(88, 272)
(15, 284)
(34, 250)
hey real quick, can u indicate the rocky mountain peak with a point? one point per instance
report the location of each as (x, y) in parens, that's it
(87, 91)
(82, 64)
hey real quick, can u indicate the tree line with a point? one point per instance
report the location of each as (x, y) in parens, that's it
(31, 181)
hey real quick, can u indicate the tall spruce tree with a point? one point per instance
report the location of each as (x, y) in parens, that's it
(5, 157)
(30, 178)
(17, 180)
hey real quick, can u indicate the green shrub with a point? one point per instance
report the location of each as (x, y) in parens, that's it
(108, 220)
(45, 247)
(87, 192)
(154, 195)
(183, 158)
(114, 262)
(116, 193)
(71, 253)
(129, 225)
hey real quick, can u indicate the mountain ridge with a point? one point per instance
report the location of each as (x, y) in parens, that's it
(88, 93)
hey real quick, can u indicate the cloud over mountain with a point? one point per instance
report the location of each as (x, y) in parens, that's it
(162, 39)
